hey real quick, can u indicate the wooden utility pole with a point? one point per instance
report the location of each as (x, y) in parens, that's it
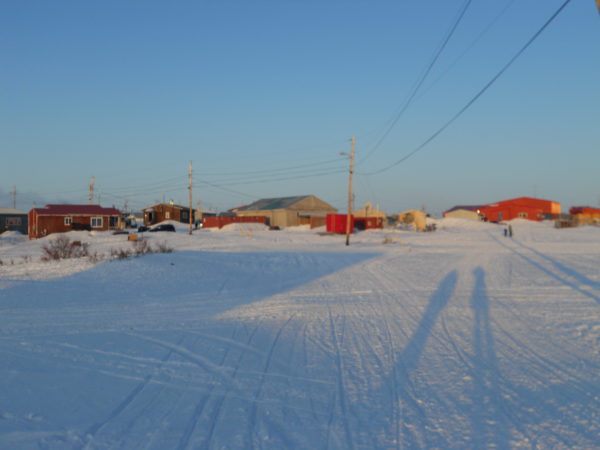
(191, 214)
(14, 197)
(349, 215)
(91, 186)
(199, 211)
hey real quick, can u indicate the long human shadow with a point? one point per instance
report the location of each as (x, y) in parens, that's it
(410, 356)
(489, 425)
(407, 361)
(564, 269)
(549, 272)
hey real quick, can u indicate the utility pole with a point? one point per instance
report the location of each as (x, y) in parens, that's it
(199, 211)
(91, 186)
(14, 197)
(191, 214)
(349, 215)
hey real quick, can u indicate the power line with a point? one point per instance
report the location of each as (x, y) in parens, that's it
(286, 178)
(275, 170)
(421, 79)
(478, 95)
(485, 30)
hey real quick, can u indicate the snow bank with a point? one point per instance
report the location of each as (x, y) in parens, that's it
(12, 235)
(243, 227)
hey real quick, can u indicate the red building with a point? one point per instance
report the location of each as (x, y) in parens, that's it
(221, 221)
(368, 223)
(517, 208)
(60, 218)
(520, 208)
(336, 223)
(162, 211)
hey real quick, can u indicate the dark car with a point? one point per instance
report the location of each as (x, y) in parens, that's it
(142, 228)
(163, 227)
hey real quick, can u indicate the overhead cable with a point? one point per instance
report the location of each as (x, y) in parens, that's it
(420, 81)
(478, 95)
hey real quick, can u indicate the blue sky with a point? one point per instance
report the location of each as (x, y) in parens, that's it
(262, 96)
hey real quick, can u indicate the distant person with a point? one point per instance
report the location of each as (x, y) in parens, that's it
(510, 232)
(505, 232)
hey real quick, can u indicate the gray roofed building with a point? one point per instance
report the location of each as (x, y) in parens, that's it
(13, 220)
(287, 211)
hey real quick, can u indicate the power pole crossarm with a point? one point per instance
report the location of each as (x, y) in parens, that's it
(91, 186)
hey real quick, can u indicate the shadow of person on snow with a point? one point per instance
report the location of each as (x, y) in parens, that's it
(489, 425)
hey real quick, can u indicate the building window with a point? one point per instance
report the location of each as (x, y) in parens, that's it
(13, 221)
(523, 215)
(113, 221)
(184, 215)
(68, 221)
(167, 215)
(96, 222)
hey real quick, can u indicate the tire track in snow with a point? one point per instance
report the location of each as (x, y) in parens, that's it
(200, 361)
(515, 409)
(341, 383)
(200, 406)
(221, 399)
(567, 271)
(560, 278)
(259, 390)
(550, 370)
(383, 279)
(391, 354)
(91, 433)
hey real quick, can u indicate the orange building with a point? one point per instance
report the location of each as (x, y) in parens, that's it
(517, 208)
(585, 214)
(520, 208)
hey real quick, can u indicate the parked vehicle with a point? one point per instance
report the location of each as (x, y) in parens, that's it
(163, 227)
(142, 228)
(121, 232)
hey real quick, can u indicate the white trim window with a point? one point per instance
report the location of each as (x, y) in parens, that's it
(167, 215)
(96, 222)
(523, 215)
(68, 220)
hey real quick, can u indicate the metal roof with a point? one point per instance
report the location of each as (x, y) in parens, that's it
(273, 203)
(11, 211)
(165, 204)
(78, 209)
(467, 207)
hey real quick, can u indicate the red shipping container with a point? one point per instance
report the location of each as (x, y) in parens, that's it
(336, 223)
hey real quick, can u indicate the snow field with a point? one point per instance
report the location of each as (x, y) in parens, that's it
(460, 338)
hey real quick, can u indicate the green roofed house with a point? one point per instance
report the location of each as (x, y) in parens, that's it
(288, 211)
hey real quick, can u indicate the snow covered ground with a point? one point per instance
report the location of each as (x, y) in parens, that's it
(249, 338)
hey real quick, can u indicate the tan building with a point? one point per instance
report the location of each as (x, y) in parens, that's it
(287, 211)
(415, 218)
(463, 214)
(369, 211)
